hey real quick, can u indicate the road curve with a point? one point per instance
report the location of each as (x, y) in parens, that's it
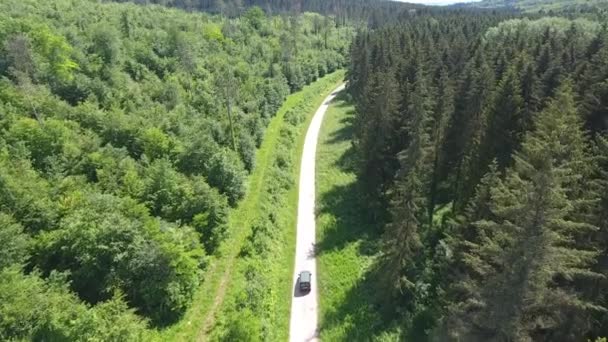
(303, 323)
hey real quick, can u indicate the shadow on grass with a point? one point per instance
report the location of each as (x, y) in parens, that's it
(345, 133)
(362, 316)
(351, 222)
(346, 203)
(359, 317)
(361, 309)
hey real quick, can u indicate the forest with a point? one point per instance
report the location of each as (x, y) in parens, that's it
(542, 5)
(484, 137)
(127, 134)
(344, 11)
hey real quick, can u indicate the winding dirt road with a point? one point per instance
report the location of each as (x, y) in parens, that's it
(303, 323)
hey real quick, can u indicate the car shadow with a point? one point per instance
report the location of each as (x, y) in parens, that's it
(297, 292)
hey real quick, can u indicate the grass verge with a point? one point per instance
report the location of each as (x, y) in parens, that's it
(347, 239)
(229, 302)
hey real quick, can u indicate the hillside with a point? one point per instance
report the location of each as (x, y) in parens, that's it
(343, 10)
(127, 135)
(482, 144)
(157, 184)
(537, 5)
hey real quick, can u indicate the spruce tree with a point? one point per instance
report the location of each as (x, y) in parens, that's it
(374, 128)
(530, 260)
(505, 122)
(594, 87)
(402, 242)
(599, 290)
(442, 114)
(469, 168)
(468, 269)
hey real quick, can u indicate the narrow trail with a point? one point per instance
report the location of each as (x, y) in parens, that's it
(216, 303)
(221, 291)
(304, 315)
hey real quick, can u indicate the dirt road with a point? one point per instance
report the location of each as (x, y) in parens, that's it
(304, 316)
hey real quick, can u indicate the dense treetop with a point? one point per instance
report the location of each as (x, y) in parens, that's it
(343, 10)
(542, 5)
(485, 138)
(126, 133)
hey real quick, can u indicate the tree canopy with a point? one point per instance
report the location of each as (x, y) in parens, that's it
(126, 134)
(479, 136)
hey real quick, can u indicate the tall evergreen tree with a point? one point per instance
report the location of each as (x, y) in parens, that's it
(375, 128)
(506, 120)
(599, 290)
(467, 267)
(474, 108)
(530, 259)
(409, 198)
(442, 114)
(517, 248)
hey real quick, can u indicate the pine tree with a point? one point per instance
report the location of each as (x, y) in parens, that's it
(594, 87)
(402, 241)
(505, 122)
(469, 134)
(530, 260)
(603, 151)
(374, 129)
(530, 89)
(599, 290)
(442, 114)
(468, 269)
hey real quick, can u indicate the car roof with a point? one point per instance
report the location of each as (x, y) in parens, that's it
(305, 276)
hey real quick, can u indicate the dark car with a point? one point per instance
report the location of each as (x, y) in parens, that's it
(304, 281)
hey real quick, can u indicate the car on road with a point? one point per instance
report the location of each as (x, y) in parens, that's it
(304, 281)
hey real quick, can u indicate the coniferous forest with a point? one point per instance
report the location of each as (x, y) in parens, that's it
(484, 136)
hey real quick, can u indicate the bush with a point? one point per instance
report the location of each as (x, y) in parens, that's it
(107, 243)
(226, 172)
(45, 310)
(13, 241)
(26, 196)
(245, 327)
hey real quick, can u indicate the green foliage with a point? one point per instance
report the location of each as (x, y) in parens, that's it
(212, 32)
(56, 53)
(402, 239)
(44, 140)
(254, 17)
(520, 253)
(244, 327)
(106, 44)
(126, 134)
(26, 196)
(226, 173)
(14, 242)
(259, 278)
(542, 5)
(155, 143)
(110, 244)
(528, 244)
(37, 309)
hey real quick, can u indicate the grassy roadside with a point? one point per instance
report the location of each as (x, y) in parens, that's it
(225, 281)
(347, 241)
(258, 302)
